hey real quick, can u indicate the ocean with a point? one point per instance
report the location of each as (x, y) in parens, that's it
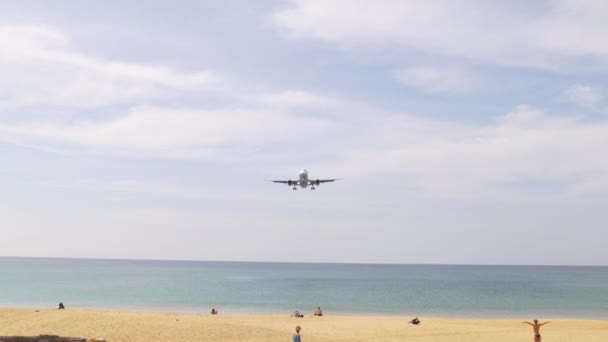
(358, 289)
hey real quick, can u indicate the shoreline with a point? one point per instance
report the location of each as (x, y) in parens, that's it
(139, 326)
(231, 311)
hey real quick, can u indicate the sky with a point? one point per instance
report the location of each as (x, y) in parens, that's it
(468, 132)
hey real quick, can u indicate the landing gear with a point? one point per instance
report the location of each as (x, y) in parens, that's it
(294, 188)
(312, 188)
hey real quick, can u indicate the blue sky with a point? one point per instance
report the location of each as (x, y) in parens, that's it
(468, 132)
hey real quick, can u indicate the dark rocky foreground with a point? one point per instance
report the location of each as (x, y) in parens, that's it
(41, 338)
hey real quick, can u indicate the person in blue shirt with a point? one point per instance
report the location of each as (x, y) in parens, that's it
(296, 336)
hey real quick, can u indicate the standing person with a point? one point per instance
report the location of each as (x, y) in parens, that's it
(296, 336)
(536, 326)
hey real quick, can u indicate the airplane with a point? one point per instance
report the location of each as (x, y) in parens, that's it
(303, 181)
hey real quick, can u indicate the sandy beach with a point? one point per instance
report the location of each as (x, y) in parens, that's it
(145, 326)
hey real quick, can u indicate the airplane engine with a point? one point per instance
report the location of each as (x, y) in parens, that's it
(290, 183)
(317, 182)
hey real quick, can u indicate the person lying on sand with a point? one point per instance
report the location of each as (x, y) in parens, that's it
(297, 314)
(415, 321)
(536, 326)
(318, 312)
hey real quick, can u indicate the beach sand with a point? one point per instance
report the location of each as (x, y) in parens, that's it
(148, 327)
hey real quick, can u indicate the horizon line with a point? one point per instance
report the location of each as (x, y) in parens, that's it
(299, 262)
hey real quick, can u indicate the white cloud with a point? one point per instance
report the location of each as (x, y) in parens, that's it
(164, 132)
(294, 98)
(555, 35)
(584, 96)
(40, 67)
(436, 79)
(521, 147)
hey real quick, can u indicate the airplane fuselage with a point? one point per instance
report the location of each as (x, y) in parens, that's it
(303, 182)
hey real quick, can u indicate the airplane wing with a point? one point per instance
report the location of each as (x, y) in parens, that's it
(328, 180)
(282, 181)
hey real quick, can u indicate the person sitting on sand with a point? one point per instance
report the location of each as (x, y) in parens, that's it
(213, 311)
(296, 336)
(60, 306)
(536, 326)
(415, 321)
(297, 314)
(318, 312)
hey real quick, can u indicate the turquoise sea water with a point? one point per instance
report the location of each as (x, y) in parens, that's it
(235, 287)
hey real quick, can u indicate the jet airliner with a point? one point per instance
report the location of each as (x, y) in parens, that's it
(303, 181)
